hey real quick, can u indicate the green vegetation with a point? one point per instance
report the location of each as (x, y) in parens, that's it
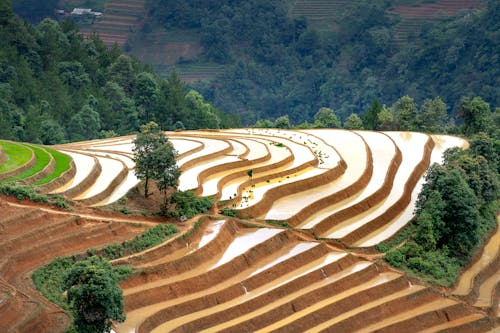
(228, 212)
(455, 210)
(42, 160)
(187, 204)
(282, 224)
(50, 279)
(17, 156)
(94, 295)
(30, 193)
(154, 158)
(276, 63)
(149, 238)
(63, 163)
(57, 87)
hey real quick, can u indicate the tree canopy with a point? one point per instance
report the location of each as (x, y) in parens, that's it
(154, 158)
(276, 64)
(80, 89)
(94, 295)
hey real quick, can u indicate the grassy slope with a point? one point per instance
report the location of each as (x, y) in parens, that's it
(62, 164)
(17, 155)
(42, 160)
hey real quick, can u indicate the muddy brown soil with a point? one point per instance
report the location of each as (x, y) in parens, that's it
(32, 237)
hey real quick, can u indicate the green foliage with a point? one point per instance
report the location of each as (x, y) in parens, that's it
(147, 239)
(370, 118)
(30, 193)
(228, 212)
(282, 224)
(455, 210)
(154, 158)
(49, 280)
(187, 204)
(326, 118)
(56, 86)
(476, 115)
(282, 122)
(263, 123)
(353, 122)
(94, 295)
(277, 64)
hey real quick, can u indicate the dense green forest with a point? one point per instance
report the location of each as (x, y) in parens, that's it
(54, 87)
(455, 211)
(277, 65)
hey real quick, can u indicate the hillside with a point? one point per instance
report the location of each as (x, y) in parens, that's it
(56, 86)
(315, 207)
(265, 59)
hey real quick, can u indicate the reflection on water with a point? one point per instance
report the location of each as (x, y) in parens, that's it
(489, 252)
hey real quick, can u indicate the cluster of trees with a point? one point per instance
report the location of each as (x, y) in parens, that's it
(55, 86)
(276, 65)
(154, 158)
(456, 208)
(474, 116)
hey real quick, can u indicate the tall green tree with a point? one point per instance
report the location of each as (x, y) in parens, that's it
(94, 295)
(154, 156)
(282, 122)
(370, 118)
(353, 122)
(433, 116)
(326, 118)
(476, 115)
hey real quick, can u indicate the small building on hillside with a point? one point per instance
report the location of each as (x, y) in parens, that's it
(85, 11)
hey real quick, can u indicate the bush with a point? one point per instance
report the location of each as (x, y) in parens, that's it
(149, 238)
(30, 193)
(189, 205)
(228, 212)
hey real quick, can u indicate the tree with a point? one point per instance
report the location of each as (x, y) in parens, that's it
(385, 119)
(326, 118)
(476, 115)
(146, 91)
(263, 123)
(353, 122)
(122, 72)
(282, 122)
(405, 114)
(94, 295)
(85, 124)
(370, 118)
(154, 157)
(433, 116)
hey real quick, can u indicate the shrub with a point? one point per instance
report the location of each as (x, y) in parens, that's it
(189, 205)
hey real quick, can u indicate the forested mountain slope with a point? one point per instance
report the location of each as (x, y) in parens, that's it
(55, 86)
(277, 62)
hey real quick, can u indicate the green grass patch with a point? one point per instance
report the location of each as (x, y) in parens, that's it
(17, 156)
(63, 163)
(49, 278)
(30, 193)
(42, 160)
(187, 204)
(149, 238)
(282, 224)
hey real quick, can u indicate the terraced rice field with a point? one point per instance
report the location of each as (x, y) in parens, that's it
(32, 237)
(121, 17)
(320, 13)
(436, 9)
(338, 190)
